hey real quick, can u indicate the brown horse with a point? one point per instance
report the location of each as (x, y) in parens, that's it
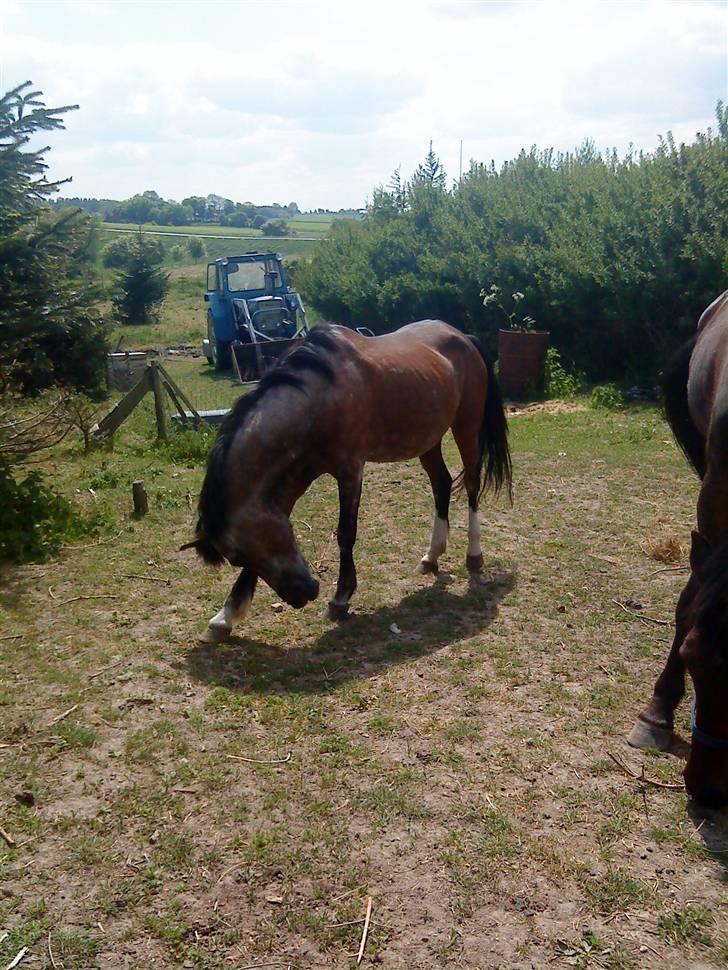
(696, 402)
(332, 404)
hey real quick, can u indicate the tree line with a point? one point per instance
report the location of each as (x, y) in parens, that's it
(615, 256)
(150, 207)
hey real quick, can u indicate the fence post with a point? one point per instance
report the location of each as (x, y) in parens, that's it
(139, 497)
(159, 403)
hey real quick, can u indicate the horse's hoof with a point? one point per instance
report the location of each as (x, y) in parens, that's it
(644, 735)
(474, 564)
(426, 567)
(338, 611)
(216, 634)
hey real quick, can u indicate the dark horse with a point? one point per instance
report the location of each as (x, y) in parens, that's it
(332, 404)
(696, 402)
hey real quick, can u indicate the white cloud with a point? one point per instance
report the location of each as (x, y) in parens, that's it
(319, 102)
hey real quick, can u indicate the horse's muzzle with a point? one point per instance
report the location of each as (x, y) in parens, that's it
(298, 590)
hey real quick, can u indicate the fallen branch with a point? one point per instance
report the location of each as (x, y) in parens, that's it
(254, 761)
(50, 953)
(7, 838)
(17, 958)
(638, 616)
(92, 596)
(668, 569)
(60, 717)
(642, 777)
(13, 636)
(365, 932)
(149, 579)
(254, 966)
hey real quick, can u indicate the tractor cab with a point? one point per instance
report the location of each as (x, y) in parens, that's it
(253, 314)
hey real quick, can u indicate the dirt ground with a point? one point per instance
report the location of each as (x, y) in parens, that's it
(445, 753)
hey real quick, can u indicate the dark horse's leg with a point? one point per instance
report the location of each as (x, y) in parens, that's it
(653, 727)
(349, 482)
(234, 608)
(441, 481)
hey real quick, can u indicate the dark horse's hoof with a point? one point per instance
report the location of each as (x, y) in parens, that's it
(646, 735)
(426, 567)
(338, 611)
(474, 563)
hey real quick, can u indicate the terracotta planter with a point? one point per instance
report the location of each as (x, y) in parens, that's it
(522, 362)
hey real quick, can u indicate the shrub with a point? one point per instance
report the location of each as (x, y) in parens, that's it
(35, 521)
(118, 253)
(190, 446)
(275, 227)
(560, 383)
(607, 396)
(196, 248)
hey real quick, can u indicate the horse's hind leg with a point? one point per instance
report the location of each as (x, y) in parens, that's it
(349, 482)
(653, 727)
(234, 608)
(441, 481)
(467, 440)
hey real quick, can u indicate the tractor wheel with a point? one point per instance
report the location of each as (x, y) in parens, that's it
(219, 349)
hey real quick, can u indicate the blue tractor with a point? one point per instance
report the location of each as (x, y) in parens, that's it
(253, 314)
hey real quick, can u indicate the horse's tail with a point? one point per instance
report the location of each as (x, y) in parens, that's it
(493, 435)
(675, 400)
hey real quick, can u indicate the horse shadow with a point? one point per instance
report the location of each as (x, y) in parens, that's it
(420, 624)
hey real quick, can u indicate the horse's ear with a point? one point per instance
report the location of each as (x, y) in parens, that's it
(699, 551)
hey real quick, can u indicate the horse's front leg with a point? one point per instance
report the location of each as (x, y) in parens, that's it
(234, 608)
(349, 482)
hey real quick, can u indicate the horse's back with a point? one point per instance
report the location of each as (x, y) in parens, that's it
(711, 313)
(708, 377)
(410, 384)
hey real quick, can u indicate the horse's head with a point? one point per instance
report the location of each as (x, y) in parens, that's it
(261, 540)
(259, 537)
(705, 655)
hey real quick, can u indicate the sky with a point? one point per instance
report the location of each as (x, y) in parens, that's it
(318, 102)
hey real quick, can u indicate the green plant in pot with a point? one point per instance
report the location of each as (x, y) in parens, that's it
(521, 348)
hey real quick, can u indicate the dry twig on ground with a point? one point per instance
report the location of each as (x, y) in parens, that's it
(365, 932)
(255, 761)
(641, 777)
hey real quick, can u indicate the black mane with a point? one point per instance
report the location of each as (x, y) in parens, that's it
(711, 604)
(313, 355)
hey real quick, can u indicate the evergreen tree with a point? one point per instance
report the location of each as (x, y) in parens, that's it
(142, 285)
(50, 330)
(430, 172)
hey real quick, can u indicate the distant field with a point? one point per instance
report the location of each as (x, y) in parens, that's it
(185, 230)
(303, 225)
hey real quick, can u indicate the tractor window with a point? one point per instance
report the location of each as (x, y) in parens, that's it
(246, 276)
(212, 277)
